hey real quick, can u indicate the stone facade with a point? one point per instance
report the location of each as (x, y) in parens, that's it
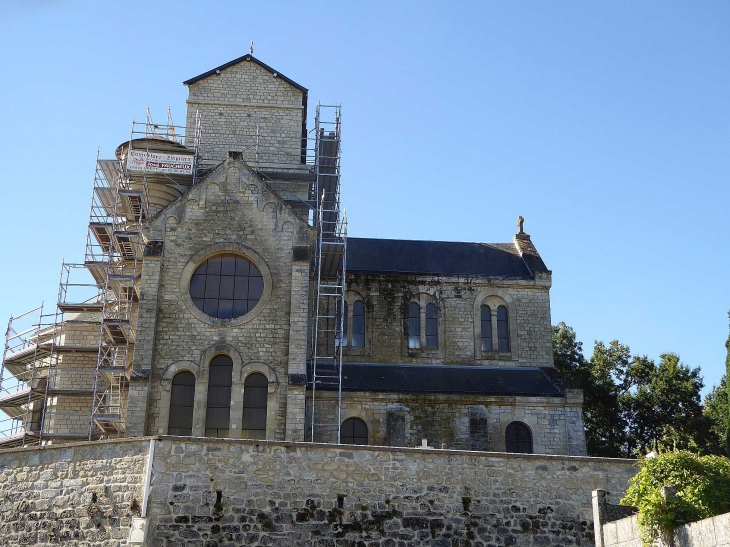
(217, 492)
(457, 301)
(241, 204)
(245, 104)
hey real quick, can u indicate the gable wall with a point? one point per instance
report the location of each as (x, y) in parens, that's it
(230, 105)
(230, 211)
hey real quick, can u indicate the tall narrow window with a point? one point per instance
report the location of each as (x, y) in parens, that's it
(342, 339)
(432, 327)
(414, 326)
(354, 431)
(182, 401)
(358, 324)
(218, 410)
(255, 396)
(486, 320)
(502, 329)
(518, 438)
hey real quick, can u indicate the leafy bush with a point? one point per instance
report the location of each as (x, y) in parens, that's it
(702, 484)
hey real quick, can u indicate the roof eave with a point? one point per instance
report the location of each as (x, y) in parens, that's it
(247, 57)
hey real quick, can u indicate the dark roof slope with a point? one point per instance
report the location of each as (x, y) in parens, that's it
(366, 255)
(247, 57)
(516, 381)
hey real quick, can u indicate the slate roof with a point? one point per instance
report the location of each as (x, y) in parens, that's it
(449, 379)
(247, 57)
(369, 256)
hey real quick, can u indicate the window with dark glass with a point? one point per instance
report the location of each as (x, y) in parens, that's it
(358, 324)
(354, 431)
(502, 329)
(343, 319)
(218, 411)
(432, 327)
(255, 397)
(518, 438)
(226, 286)
(486, 320)
(182, 401)
(414, 326)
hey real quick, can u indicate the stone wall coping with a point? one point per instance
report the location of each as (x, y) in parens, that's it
(327, 446)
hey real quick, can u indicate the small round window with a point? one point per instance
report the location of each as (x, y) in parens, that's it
(226, 286)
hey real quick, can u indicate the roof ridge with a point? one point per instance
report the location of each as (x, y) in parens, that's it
(247, 57)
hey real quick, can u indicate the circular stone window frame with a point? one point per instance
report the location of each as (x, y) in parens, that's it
(221, 248)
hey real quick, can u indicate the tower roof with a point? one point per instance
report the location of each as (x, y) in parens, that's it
(247, 57)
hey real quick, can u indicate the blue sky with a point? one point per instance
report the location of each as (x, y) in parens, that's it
(605, 124)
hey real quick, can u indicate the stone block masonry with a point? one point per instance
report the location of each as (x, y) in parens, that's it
(225, 492)
(75, 494)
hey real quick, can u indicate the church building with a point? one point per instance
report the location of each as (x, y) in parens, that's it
(220, 295)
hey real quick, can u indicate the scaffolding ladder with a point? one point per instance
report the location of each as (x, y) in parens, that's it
(329, 269)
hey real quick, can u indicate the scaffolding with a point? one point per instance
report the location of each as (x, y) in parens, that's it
(64, 374)
(330, 271)
(124, 197)
(20, 384)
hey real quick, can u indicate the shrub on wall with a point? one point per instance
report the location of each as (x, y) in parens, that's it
(702, 486)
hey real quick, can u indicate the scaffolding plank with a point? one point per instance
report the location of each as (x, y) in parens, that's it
(72, 307)
(26, 356)
(11, 402)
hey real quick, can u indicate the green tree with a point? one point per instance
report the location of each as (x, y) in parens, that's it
(716, 413)
(727, 375)
(670, 413)
(631, 404)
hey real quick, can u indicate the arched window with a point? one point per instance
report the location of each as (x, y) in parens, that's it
(182, 401)
(218, 412)
(518, 438)
(255, 396)
(414, 326)
(358, 324)
(502, 329)
(343, 319)
(354, 431)
(486, 320)
(432, 327)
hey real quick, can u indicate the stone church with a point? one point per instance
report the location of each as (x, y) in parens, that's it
(219, 295)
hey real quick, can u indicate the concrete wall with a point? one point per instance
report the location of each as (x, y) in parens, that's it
(234, 492)
(612, 531)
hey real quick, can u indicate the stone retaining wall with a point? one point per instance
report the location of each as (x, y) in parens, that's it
(80, 494)
(219, 492)
(216, 493)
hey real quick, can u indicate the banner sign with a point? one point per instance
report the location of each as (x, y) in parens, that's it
(159, 162)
